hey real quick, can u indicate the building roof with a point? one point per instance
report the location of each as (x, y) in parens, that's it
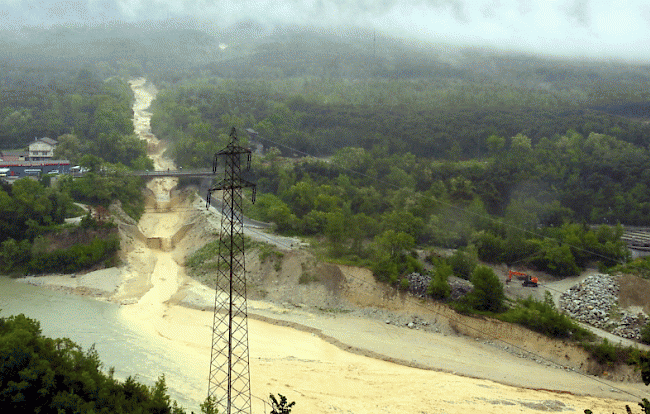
(12, 155)
(47, 140)
(6, 163)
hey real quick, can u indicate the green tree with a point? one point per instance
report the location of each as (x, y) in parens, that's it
(488, 290)
(68, 148)
(392, 243)
(439, 287)
(463, 262)
(14, 255)
(41, 374)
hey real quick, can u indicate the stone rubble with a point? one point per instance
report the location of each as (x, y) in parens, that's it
(418, 285)
(595, 302)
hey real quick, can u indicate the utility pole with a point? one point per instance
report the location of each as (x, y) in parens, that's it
(229, 381)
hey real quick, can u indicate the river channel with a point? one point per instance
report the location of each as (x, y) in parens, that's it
(91, 322)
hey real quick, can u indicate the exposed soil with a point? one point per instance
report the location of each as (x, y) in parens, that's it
(635, 292)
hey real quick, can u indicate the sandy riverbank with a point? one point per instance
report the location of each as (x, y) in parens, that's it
(331, 363)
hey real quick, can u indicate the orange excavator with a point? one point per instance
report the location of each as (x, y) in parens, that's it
(529, 281)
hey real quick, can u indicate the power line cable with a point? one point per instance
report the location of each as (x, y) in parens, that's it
(486, 334)
(482, 332)
(450, 319)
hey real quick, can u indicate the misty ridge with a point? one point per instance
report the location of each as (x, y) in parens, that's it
(569, 28)
(461, 93)
(251, 49)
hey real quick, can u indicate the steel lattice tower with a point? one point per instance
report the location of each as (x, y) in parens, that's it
(229, 381)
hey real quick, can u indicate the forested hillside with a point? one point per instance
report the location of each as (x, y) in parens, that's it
(512, 158)
(509, 156)
(91, 119)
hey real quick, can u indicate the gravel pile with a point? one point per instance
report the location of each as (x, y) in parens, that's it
(592, 301)
(630, 325)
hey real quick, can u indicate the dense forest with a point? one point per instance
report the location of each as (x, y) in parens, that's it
(379, 150)
(371, 144)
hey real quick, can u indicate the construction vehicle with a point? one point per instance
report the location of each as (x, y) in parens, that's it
(529, 281)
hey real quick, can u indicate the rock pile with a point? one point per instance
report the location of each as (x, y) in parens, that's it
(591, 301)
(459, 287)
(630, 325)
(595, 300)
(418, 284)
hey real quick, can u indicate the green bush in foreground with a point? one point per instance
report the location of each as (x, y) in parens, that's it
(488, 290)
(544, 318)
(281, 407)
(439, 286)
(645, 334)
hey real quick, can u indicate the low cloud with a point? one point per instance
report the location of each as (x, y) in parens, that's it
(584, 28)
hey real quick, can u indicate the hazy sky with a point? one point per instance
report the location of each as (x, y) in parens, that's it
(595, 28)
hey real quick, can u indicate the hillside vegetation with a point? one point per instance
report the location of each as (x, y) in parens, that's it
(91, 120)
(511, 169)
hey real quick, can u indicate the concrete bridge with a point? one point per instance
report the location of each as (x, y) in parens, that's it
(176, 173)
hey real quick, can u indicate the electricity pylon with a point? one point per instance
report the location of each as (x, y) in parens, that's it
(229, 381)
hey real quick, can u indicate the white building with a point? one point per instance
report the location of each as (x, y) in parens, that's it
(42, 149)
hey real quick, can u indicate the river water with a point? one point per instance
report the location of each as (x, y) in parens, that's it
(88, 321)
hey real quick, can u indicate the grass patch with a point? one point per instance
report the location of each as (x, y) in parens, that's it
(307, 278)
(204, 258)
(267, 251)
(207, 257)
(637, 267)
(610, 354)
(74, 211)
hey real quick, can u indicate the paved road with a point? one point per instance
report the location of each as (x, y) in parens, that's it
(256, 230)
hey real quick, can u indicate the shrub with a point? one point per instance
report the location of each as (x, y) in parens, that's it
(463, 263)
(282, 406)
(610, 354)
(490, 248)
(488, 290)
(439, 286)
(77, 257)
(645, 334)
(544, 318)
(404, 284)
